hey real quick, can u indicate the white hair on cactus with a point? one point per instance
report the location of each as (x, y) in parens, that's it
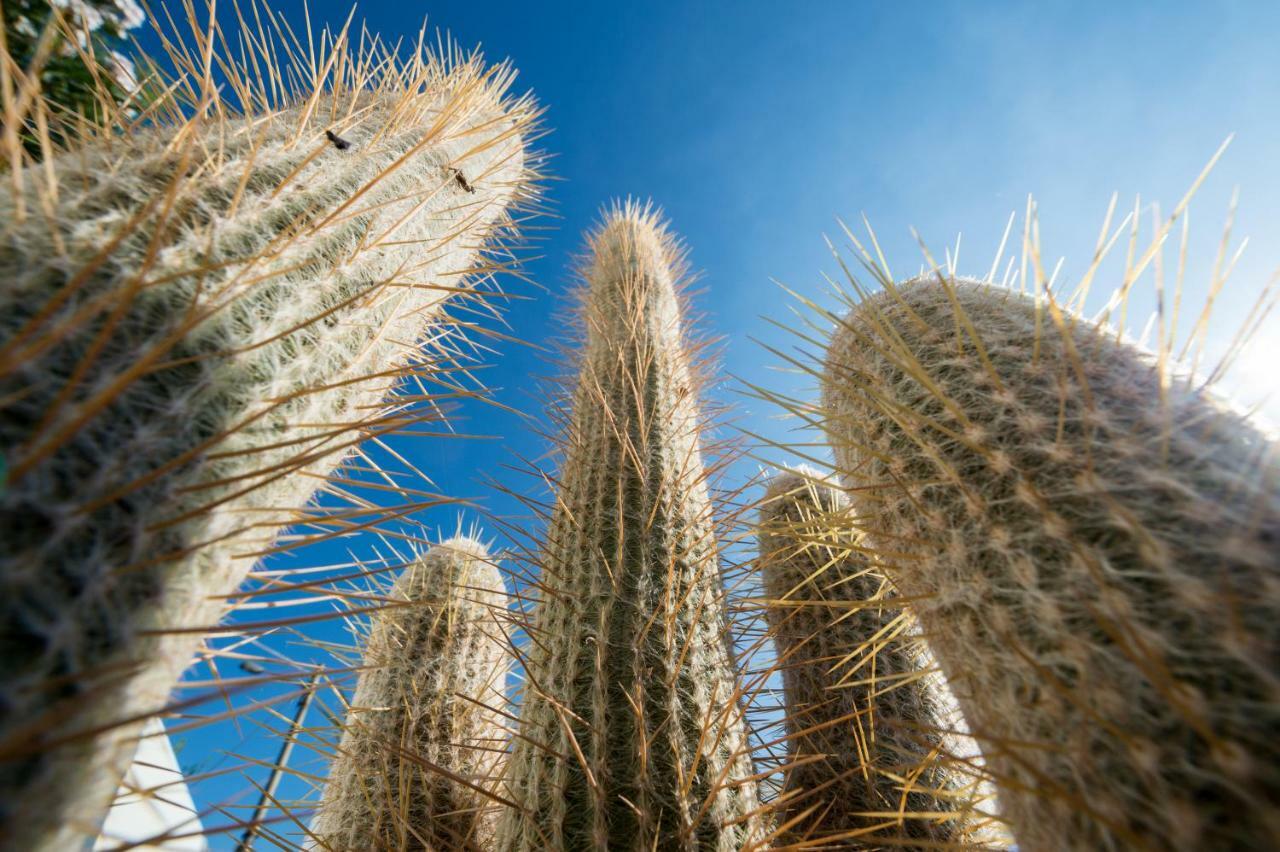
(196, 330)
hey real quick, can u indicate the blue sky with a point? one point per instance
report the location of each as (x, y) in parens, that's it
(754, 125)
(754, 128)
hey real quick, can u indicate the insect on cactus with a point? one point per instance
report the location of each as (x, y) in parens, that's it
(872, 741)
(197, 326)
(1089, 541)
(631, 736)
(421, 745)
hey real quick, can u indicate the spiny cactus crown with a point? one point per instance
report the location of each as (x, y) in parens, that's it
(631, 734)
(1088, 543)
(198, 328)
(421, 747)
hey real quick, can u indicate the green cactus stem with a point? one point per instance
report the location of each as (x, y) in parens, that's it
(872, 734)
(421, 745)
(1089, 543)
(631, 736)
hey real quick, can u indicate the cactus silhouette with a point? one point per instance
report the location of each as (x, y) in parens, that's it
(871, 730)
(631, 736)
(196, 327)
(423, 736)
(1089, 542)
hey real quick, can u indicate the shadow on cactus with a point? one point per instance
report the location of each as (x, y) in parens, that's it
(876, 751)
(198, 327)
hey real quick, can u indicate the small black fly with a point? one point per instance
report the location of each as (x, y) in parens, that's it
(462, 180)
(338, 142)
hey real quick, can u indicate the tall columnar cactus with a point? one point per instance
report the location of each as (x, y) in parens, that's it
(631, 736)
(872, 742)
(198, 321)
(423, 737)
(1090, 547)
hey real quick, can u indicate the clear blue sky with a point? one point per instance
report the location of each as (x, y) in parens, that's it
(756, 124)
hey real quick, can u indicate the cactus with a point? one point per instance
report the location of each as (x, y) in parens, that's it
(423, 736)
(631, 736)
(1089, 542)
(195, 328)
(872, 748)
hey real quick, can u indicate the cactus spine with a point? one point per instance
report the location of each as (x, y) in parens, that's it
(1091, 549)
(631, 734)
(423, 734)
(870, 728)
(192, 336)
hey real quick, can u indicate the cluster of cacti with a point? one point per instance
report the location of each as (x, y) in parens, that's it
(1045, 543)
(872, 740)
(1089, 544)
(422, 742)
(631, 736)
(195, 329)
